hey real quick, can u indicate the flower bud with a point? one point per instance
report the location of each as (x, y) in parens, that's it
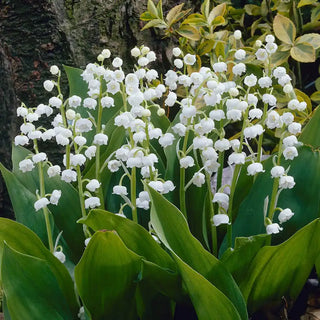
(70, 114)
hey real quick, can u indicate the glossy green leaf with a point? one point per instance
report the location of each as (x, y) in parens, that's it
(65, 215)
(208, 301)
(155, 289)
(106, 277)
(31, 289)
(284, 29)
(23, 200)
(303, 52)
(172, 229)
(158, 278)
(135, 237)
(238, 259)
(315, 14)
(205, 47)
(304, 202)
(281, 271)
(23, 240)
(311, 134)
(155, 23)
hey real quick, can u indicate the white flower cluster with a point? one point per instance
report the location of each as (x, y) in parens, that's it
(211, 102)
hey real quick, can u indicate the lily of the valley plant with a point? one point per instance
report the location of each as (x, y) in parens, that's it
(139, 208)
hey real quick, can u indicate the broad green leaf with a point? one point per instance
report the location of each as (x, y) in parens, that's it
(23, 200)
(208, 301)
(303, 52)
(172, 229)
(238, 259)
(316, 97)
(189, 32)
(155, 288)
(106, 277)
(281, 271)
(310, 134)
(306, 3)
(304, 202)
(158, 277)
(31, 289)
(23, 240)
(135, 237)
(217, 11)
(284, 29)
(65, 214)
(310, 38)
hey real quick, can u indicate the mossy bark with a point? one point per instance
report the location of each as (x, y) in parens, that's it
(36, 34)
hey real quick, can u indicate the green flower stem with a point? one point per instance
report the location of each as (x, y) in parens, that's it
(45, 209)
(274, 195)
(214, 240)
(260, 140)
(183, 179)
(133, 188)
(235, 177)
(99, 130)
(42, 195)
(81, 195)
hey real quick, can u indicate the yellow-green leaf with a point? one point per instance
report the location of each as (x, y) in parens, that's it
(205, 47)
(219, 10)
(311, 26)
(146, 16)
(218, 21)
(316, 97)
(173, 13)
(264, 8)
(284, 29)
(159, 9)
(303, 52)
(311, 38)
(195, 19)
(252, 9)
(152, 9)
(219, 50)
(315, 13)
(205, 8)
(306, 2)
(189, 32)
(279, 57)
(317, 84)
(156, 23)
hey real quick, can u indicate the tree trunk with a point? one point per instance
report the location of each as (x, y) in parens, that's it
(36, 34)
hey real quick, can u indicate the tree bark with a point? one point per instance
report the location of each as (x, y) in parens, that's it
(36, 34)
